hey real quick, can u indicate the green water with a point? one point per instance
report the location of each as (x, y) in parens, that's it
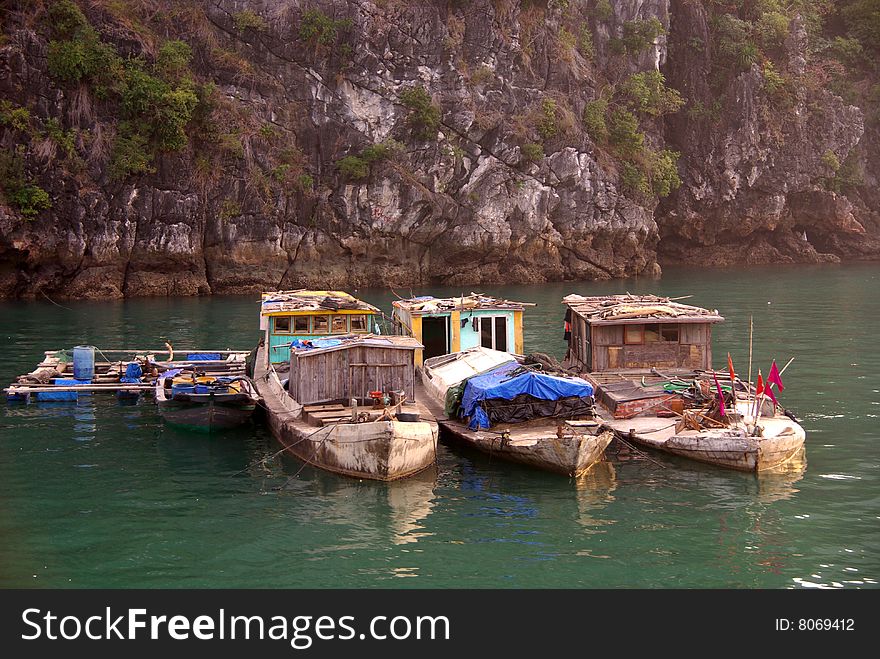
(101, 494)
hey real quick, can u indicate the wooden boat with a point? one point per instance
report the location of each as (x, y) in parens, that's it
(205, 402)
(345, 403)
(567, 442)
(650, 360)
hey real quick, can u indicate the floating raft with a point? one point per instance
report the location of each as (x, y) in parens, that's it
(53, 379)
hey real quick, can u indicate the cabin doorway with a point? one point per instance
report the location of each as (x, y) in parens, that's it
(435, 335)
(493, 332)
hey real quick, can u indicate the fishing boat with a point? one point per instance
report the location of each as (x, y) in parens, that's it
(650, 361)
(206, 402)
(338, 395)
(493, 402)
(476, 341)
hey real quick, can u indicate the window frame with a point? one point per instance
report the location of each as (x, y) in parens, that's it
(334, 318)
(307, 330)
(366, 328)
(275, 329)
(315, 329)
(641, 328)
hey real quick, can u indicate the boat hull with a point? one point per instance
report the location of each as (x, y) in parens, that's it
(378, 450)
(722, 448)
(570, 455)
(207, 416)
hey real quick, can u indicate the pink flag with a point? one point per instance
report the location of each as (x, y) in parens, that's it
(720, 396)
(768, 391)
(773, 377)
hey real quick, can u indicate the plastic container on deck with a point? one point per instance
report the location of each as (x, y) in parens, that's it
(84, 362)
(62, 396)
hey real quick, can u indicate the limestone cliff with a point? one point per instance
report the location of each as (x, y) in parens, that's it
(354, 143)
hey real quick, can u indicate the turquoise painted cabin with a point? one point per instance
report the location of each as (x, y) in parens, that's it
(286, 316)
(446, 325)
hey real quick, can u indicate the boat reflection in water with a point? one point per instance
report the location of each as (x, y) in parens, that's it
(373, 513)
(778, 483)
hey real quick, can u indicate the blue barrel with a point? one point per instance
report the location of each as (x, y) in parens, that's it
(84, 362)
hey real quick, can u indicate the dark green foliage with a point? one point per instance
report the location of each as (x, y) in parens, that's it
(353, 168)
(357, 167)
(594, 119)
(863, 20)
(634, 182)
(602, 10)
(17, 188)
(637, 36)
(131, 153)
(30, 200)
(424, 115)
(65, 139)
(305, 182)
(318, 28)
(663, 172)
(67, 19)
(647, 92)
(548, 120)
(172, 62)
(14, 116)
(249, 20)
(381, 151)
(623, 132)
(532, 152)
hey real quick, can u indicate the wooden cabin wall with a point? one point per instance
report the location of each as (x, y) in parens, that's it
(693, 350)
(352, 373)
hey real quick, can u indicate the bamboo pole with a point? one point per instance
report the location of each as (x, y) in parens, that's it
(749, 390)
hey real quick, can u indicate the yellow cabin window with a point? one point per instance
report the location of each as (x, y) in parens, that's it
(320, 324)
(302, 324)
(633, 334)
(340, 324)
(282, 324)
(358, 323)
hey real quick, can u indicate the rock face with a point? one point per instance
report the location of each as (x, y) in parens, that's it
(258, 199)
(753, 173)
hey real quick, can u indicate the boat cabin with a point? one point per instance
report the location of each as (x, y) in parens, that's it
(449, 325)
(304, 315)
(629, 332)
(359, 367)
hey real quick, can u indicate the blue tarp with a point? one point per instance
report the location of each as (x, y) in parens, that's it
(308, 344)
(133, 374)
(204, 357)
(502, 382)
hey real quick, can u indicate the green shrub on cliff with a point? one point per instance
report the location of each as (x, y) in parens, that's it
(249, 20)
(131, 153)
(647, 92)
(18, 189)
(318, 28)
(637, 36)
(594, 119)
(353, 168)
(624, 133)
(532, 152)
(424, 115)
(14, 116)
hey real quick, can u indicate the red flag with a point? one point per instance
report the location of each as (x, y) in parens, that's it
(759, 388)
(720, 396)
(768, 391)
(730, 368)
(773, 377)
